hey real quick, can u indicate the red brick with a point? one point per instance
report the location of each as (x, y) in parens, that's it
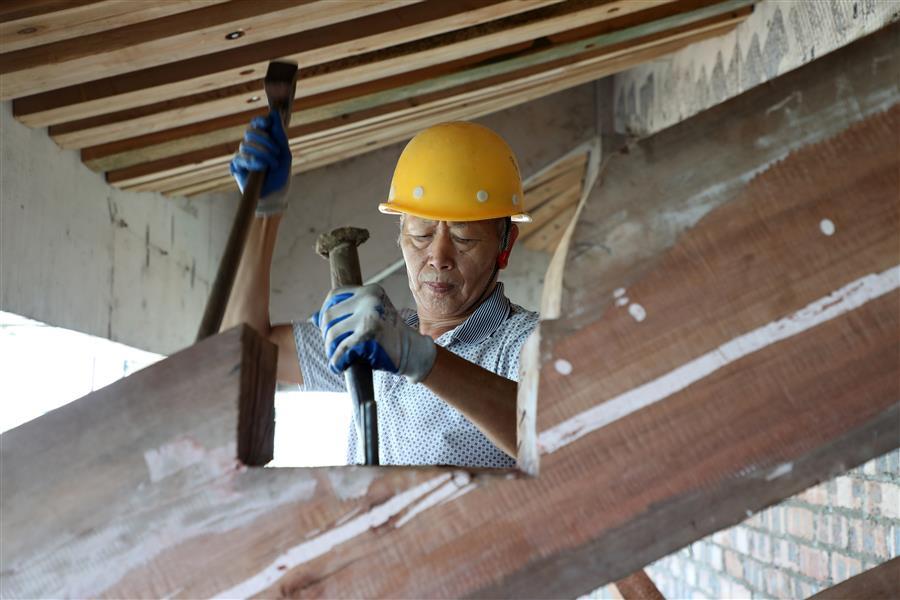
(800, 522)
(844, 567)
(814, 563)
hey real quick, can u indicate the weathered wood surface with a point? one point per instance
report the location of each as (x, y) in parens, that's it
(155, 116)
(341, 137)
(754, 354)
(133, 465)
(167, 39)
(879, 583)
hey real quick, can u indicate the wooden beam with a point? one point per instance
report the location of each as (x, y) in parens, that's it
(766, 360)
(165, 40)
(879, 583)
(338, 74)
(146, 434)
(76, 19)
(317, 154)
(151, 86)
(457, 102)
(333, 145)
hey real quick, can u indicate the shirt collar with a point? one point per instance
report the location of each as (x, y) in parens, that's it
(481, 323)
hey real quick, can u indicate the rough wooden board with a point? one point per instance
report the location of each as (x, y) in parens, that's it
(193, 76)
(879, 583)
(324, 146)
(386, 94)
(167, 429)
(545, 238)
(162, 41)
(376, 65)
(575, 161)
(74, 19)
(808, 398)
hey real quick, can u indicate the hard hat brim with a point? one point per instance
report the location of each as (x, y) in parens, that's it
(393, 209)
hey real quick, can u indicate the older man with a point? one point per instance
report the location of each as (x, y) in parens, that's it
(444, 374)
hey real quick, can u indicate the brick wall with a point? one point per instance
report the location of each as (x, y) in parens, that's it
(807, 543)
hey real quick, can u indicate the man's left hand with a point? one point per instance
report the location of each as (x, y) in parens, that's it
(359, 322)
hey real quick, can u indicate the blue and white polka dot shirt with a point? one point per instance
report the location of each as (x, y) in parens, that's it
(415, 427)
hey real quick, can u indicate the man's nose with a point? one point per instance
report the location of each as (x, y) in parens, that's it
(442, 255)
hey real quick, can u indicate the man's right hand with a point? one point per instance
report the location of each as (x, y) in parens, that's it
(265, 148)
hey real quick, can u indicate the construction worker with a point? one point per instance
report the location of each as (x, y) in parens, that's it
(445, 374)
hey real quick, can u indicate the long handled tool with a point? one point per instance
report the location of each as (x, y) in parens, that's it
(280, 83)
(339, 247)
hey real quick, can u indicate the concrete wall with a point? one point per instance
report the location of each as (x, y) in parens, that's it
(135, 268)
(77, 253)
(348, 193)
(779, 36)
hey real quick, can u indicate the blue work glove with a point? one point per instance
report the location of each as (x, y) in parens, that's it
(265, 147)
(360, 322)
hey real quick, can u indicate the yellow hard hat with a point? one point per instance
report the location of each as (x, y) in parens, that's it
(457, 172)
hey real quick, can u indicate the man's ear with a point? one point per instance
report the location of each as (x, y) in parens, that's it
(511, 236)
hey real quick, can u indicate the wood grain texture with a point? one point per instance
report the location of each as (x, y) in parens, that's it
(75, 19)
(766, 361)
(223, 69)
(329, 141)
(402, 58)
(879, 583)
(167, 39)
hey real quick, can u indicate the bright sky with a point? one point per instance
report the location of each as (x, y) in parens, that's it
(44, 367)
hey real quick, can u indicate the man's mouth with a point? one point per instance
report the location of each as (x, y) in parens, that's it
(438, 287)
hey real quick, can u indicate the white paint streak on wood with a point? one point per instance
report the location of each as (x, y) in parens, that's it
(182, 453)
(827, 227)
(843, 300)
(562, 366)
(780, 471)
(325, 542)
(450, 489)
(637, 311)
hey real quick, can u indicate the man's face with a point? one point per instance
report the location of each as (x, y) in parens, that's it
(449, 264)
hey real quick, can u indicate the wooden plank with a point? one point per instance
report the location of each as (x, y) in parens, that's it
(78, 19)
(545, 213)
(576, 161)
(182, 111)
(338, 143)
(879, 583)
(317, 154)
(336, 75)
(147, 433)
(512, 89)
(13, 10)
(162, 41)
(804, 383)
(196, 136)
(158, 85)
(538, 196)
(545, 238)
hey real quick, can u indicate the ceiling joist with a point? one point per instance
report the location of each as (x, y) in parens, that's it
(157, 98)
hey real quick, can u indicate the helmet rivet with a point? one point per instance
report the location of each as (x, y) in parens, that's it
(515, 199)
(481, 196)
(418, 192)
(392, 194)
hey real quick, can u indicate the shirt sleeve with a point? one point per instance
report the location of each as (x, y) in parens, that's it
(520, 327)
(317, 376)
